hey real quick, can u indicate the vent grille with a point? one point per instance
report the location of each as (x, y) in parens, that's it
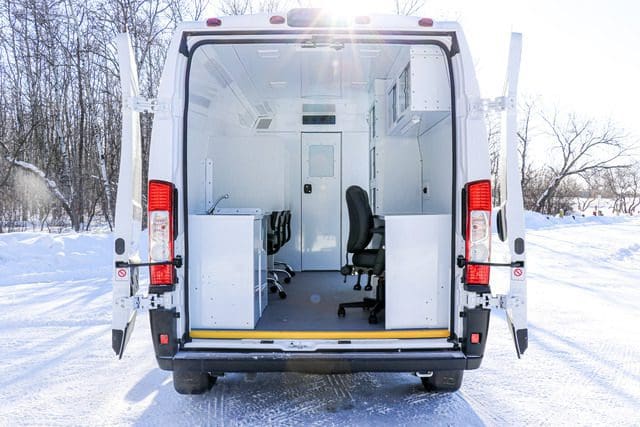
(263, 123)
(324, 119)
(263, 109)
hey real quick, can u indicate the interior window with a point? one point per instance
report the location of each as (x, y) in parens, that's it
(321, 161)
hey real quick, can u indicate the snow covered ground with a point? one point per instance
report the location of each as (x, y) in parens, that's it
(582, 366)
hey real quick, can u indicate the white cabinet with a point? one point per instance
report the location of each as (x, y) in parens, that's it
(227, 271)
(417, 270)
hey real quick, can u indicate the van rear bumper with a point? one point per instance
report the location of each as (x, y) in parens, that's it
(323, 363)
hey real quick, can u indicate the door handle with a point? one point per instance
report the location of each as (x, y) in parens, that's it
(307, 189)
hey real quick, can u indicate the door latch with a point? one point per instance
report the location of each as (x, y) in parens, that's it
(307, 189)
(461, 263)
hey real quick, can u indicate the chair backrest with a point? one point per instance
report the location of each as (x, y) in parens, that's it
(360, 219)
(287, 224)
(282, 228)
(275, 238)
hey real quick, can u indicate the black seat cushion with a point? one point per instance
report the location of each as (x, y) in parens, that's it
(370, 259)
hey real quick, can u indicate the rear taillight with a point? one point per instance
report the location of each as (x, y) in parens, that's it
(478, 231)
(160, 206)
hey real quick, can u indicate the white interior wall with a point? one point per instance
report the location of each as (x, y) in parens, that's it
(355, 171)
(436, 153)
(400, 181)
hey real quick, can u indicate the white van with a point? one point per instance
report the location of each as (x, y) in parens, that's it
(262, 125)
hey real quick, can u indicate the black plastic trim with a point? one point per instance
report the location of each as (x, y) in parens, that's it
(476, 320)
(117, 337)
(324, 363)
(522, 335)
(480, 289)
(454, 184)
(163, 321)
(161, 289)
(185, 187)
(518, 246)
(119, 245)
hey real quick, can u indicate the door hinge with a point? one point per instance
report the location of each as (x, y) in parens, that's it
(486, 105)
(488, 301)
(144, 303)
(148, 105)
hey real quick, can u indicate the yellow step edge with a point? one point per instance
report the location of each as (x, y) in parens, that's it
(319, 335)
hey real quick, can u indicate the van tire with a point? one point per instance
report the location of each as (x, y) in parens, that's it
(443, 381)
(193, 382)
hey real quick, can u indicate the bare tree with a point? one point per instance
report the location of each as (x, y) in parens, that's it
(623, 185)
(60, 101)
(583, 146)
(236, 7)
(493, 138)
(408, 7)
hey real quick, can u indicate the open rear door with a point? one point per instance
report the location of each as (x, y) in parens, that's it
(511, 213)
(128, 203)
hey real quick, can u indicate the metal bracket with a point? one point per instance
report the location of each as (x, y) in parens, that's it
(145, 303)
(502, 302)
(485, 105)
(148, 105)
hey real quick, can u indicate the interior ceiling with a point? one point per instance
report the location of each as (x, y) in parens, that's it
(276, 71)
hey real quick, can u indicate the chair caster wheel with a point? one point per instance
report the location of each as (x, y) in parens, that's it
(282, 294)
(373, 319)
(291, 272)
(368, 288)
(273, 289)
(287, 280)
(341, 312)
(357, 287)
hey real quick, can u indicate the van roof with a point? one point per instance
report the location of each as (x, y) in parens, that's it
(261, 21)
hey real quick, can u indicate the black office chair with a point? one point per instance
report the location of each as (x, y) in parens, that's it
(361, 232)
(285, 233)
(274, 243)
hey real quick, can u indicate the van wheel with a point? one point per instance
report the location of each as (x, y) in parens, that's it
(192, 382)
(443, 381)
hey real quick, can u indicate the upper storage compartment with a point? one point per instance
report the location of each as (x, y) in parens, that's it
(418, 91)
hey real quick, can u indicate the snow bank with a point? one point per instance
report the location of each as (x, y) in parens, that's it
(30, 257)
(40, 257)
(536, 221)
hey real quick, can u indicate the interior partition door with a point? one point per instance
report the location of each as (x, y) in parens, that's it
(321, 200)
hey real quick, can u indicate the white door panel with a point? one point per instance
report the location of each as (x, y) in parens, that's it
(128, 218)
(511, 213)
(321, 196)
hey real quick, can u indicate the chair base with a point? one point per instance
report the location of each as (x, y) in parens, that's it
(374, 305)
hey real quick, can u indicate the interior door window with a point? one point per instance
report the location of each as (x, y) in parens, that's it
(321, 162)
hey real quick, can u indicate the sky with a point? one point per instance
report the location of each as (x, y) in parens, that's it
(579, 56)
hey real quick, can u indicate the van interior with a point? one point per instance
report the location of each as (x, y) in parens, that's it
(290, 126)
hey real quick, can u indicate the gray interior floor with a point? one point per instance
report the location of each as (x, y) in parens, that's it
(312, 305)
